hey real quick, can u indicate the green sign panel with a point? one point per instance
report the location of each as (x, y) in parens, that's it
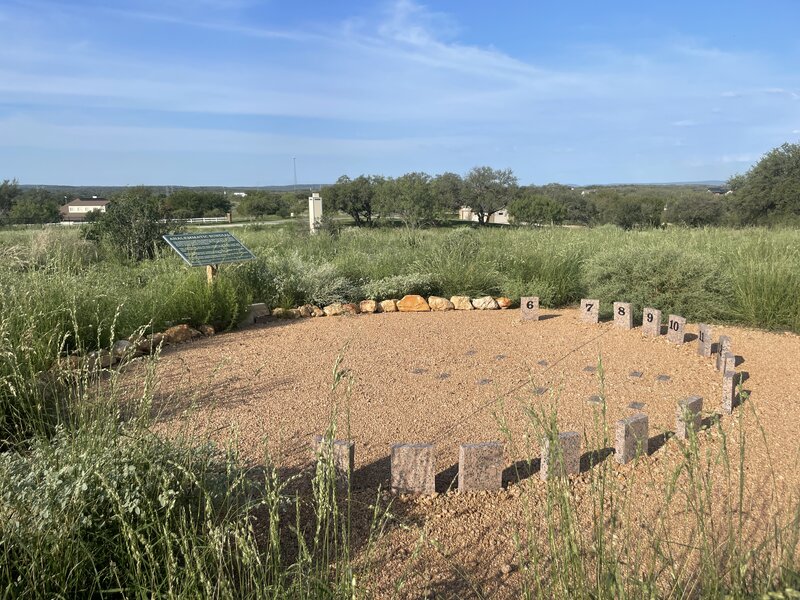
(201, 249)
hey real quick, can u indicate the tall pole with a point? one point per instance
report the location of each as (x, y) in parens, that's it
(294, 163)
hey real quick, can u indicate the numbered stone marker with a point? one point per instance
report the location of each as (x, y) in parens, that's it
(590, 311)
(688, 416)
(651, 322)
(480, 467)
(730, 396)
(726, 362)
(529, 305)
(704, 340)
(413, 468)
(562, 457)
(343, 453)
(623, 315)
(631, 438)
(676, 329)
(723, 345)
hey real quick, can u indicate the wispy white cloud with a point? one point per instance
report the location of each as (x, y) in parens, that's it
(393, 81)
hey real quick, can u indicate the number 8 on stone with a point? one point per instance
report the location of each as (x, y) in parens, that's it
(623, 315)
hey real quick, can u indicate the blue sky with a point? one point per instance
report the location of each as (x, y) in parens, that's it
(227, 92)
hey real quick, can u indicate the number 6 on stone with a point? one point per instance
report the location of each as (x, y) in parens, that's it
(529, 306)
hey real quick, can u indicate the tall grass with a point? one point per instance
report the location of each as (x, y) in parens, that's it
(698, 542)
(93, 503)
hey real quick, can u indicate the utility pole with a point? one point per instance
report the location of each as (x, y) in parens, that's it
(294, 163)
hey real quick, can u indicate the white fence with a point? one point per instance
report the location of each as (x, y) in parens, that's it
(197, 220)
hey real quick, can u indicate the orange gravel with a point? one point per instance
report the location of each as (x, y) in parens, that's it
(454, 377)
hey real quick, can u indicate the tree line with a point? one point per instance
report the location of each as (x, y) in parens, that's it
(38, 205)
(767, 194)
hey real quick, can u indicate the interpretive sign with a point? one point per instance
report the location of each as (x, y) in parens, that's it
(204, 249)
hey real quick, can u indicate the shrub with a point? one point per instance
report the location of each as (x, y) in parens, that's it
(400, 285)
(98, 510)
(132, 224)
(685, 282)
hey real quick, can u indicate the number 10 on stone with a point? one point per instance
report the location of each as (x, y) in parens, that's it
(529, 305)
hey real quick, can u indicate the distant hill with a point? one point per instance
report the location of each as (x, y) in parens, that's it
(109, 190)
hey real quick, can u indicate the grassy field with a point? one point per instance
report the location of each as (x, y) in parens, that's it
(93, 503)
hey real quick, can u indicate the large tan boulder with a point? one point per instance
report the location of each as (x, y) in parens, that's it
(439, 303)
(462, 303)
(333, 310)
(485, 303)
(350, 309)
(413, 303)
(306, 311)
(206, 330)
(316, 311)
(151, 343)
(180, 333)
(503, 302)
(369, 306)
(388, 305)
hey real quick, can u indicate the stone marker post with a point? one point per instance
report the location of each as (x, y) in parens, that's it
(413, 468)
(651, 322)
(730, 396)
(562, 457)
(726, 361)
(676, 329)
(590, 311)
(343, 454)
(704, 340)
(631, 438)
(623, 315)
(529, 306)
(723, 345)
(688, 416)
(480, 466)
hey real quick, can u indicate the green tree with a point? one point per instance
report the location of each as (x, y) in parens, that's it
(532, 208)
(449, 190)
(770, 191)
(188, 203)
(488, 190)
(133, 223)
(411, 197)
(9, 190)
(356, 197)
(629, 210)
(35, 206)
(698, 209)
(258, 204)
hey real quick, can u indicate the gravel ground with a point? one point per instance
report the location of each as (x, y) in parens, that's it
(454, 377)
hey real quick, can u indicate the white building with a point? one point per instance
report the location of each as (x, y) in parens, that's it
(498, 218)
